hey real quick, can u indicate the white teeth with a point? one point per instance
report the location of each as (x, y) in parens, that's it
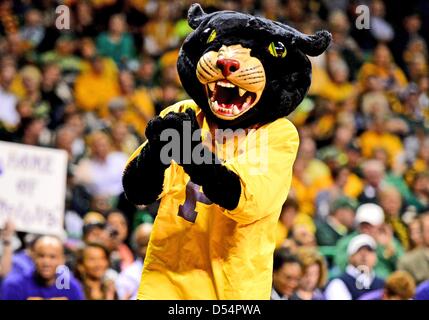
(235, 110)
(241, 92)
(215, 105)
(225, 84)
(248, 99)
(212, 86)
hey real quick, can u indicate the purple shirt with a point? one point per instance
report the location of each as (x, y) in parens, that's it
(422, 291)
(21, 264)
(372, 295)
(24, 287)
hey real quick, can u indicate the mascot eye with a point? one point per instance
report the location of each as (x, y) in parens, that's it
(277, 49)
(212, 36)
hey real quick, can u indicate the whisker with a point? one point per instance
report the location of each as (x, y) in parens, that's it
(209, 65)
(249, 73)
(252, 68)
(250, 78)
(205, 71)
(201, 75)
(255, 82)
(204, 63)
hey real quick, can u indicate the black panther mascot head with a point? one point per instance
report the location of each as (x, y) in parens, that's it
(242, 70)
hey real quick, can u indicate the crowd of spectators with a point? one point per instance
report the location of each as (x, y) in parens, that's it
(356, 223)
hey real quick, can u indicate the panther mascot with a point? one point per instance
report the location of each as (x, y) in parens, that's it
(221, 195)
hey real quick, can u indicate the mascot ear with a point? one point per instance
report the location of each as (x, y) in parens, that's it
(195, 15)
(310, 45)
(315, 44)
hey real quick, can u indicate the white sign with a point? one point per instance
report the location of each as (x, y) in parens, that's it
(32, 187)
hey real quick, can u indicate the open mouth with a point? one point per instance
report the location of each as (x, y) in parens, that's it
(228, 100)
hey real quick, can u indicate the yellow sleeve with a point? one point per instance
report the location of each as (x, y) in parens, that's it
(265, 174)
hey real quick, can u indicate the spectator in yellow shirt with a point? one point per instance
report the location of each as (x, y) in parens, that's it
(333, 83)
(95, 87)
(88, 52)
(383, 66)
(377, 137)
(139, 108)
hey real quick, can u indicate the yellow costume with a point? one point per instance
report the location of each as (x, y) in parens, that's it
(199, 250)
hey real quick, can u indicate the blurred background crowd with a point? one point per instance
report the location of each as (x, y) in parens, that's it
(356, 223)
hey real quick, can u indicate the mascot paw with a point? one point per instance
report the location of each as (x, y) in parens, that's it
(182, 122)
(183, 125)
(153, 131)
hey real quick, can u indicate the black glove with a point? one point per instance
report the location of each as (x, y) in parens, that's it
(220, 185)
(185, 125)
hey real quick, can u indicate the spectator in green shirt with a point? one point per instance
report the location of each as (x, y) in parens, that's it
(117, 43)
(338, 223)
(370, 220)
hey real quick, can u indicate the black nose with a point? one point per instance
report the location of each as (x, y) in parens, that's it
(227, 66)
